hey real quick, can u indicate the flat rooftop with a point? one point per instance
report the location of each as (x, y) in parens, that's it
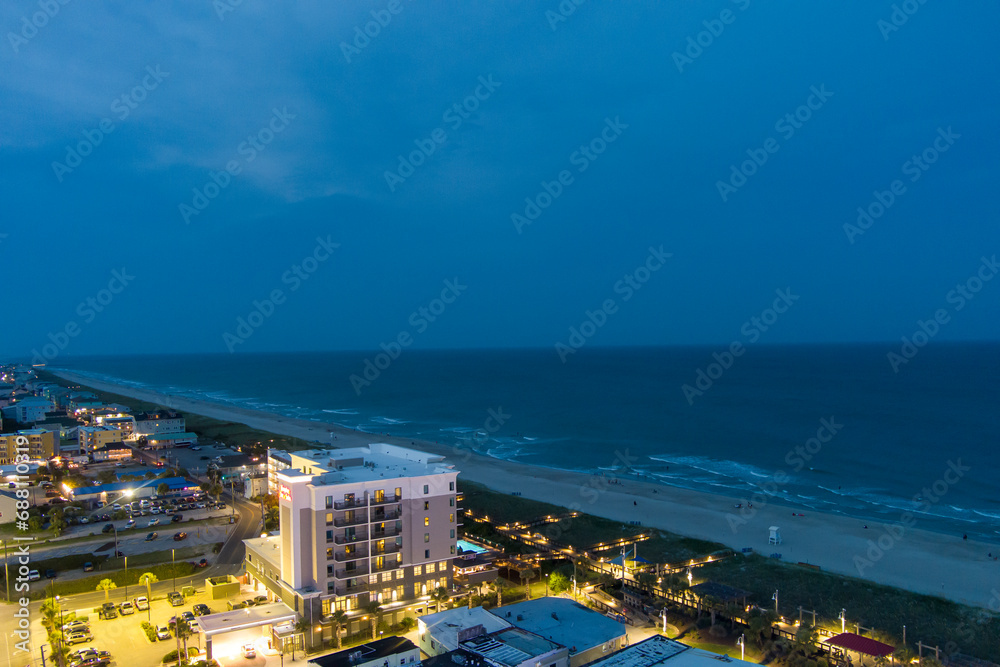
(380, 648)
(250, 617)
(659, 651)
(370, 463)
(445, 625)
(563, 621)
(510, 647)
(268, 548)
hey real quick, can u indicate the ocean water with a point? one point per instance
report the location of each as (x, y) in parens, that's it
(881, 445)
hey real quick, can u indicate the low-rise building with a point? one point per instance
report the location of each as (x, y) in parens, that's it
(39, 444)
(96, 437)
(168, 440)
(658, 651)
(277, 460)
(121, 421)
(116, 452)
(29, 409)
(391, 652)
(255, 485)
(155, 423)
(8, 507)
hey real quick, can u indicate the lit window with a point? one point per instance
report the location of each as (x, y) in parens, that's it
(453, 548)
(451, 518)
(418, 570)
(329, 502)
(427, 521)
(329, 518)
(427, 538)
(427, 505)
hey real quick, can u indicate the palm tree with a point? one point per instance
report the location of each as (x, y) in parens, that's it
(147, 580)
(182, 630)
(440, 595)
(526, 576)
(498, 585)
(305, 627)
(339, 620)
(374, 610)
(805, 639)
(106, 585)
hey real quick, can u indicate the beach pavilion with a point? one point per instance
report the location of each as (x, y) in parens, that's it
(847, 643)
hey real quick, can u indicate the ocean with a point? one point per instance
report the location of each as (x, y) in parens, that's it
(825, 428)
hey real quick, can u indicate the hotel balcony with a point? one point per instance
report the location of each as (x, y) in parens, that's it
(343, 539)
(386, 566)
(346, 557)
(351, 590)
(349, 504)
(388, 532)
(388, 549)
(387, 500)
(388, 516)
(350, 574)
(356, 521)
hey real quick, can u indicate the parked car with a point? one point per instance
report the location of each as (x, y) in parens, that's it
(84, 519)
(162, 632)
(180, 536)
(202, 563)
(249, 651)
(153, 522)
(194, 625)
(187, 616)
(108, 527)
(221, 506)
(141, 603)
(76, 626)
(175, 599)
(260, 599)
(126, 608)
(88, 567)
(50, 573)
(108, 611)
(176, 518)
(152, 536)
(201, 609)
(79, 637)
(33, 575)
(130, 523)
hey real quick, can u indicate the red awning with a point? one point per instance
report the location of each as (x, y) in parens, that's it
(866, 645)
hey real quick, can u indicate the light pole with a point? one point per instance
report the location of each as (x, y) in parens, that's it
(843, 620)
(741, 642)
(775, 598)
(125, 558)
(546, 585)
(173, 570)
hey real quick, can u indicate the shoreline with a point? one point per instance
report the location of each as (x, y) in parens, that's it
(916, 560)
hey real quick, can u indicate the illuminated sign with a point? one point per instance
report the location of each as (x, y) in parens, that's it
(284, 493)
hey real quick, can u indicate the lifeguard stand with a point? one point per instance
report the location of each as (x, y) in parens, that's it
(775, 535)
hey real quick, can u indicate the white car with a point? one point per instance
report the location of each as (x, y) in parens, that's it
(33, 575)
(155, 510)
(84, 519)
(153, 522)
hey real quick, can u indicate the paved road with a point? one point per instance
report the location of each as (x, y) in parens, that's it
(229, 561)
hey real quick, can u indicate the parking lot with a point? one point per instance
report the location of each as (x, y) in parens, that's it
(124, 638)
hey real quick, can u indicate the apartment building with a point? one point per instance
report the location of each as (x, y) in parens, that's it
(375, 523)
(41, 444)
(96, 437)
(155, 423)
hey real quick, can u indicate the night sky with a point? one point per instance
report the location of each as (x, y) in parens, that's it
(674, 169)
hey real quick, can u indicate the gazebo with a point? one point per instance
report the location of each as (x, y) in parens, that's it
(849, 642)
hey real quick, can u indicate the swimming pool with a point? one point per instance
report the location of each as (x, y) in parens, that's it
(469, 547)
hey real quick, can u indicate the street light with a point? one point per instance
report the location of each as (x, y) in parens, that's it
(173, 570)
(775, 598)
(741, 642)
(126, 576)
(843, 619)
(546, 585)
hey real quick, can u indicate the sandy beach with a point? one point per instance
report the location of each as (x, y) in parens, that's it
(901, 555)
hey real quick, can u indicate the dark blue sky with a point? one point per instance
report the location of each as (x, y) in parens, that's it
(198, 86)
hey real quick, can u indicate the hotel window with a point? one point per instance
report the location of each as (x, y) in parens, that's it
(372, 580)
(329, 570)
(380, 496)
(416, 589)
(398, 593)
(427, 521)
(427, 538)
(329, 554)
(418, 570)
(452, 533)
(329, 502)
(427, 505)
(329, 518)
(427, 553)
(451, 486)
(399, 492)
(427, 489)
(443, 583)
(451, 518)
(453, 548)
(329, 536)
(451, 502)
(331, 587)
(399, 574)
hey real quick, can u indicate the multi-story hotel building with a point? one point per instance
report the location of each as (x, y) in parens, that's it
(39, 444)
(375, 523)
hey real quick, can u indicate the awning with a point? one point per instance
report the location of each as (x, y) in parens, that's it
(859, 644)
